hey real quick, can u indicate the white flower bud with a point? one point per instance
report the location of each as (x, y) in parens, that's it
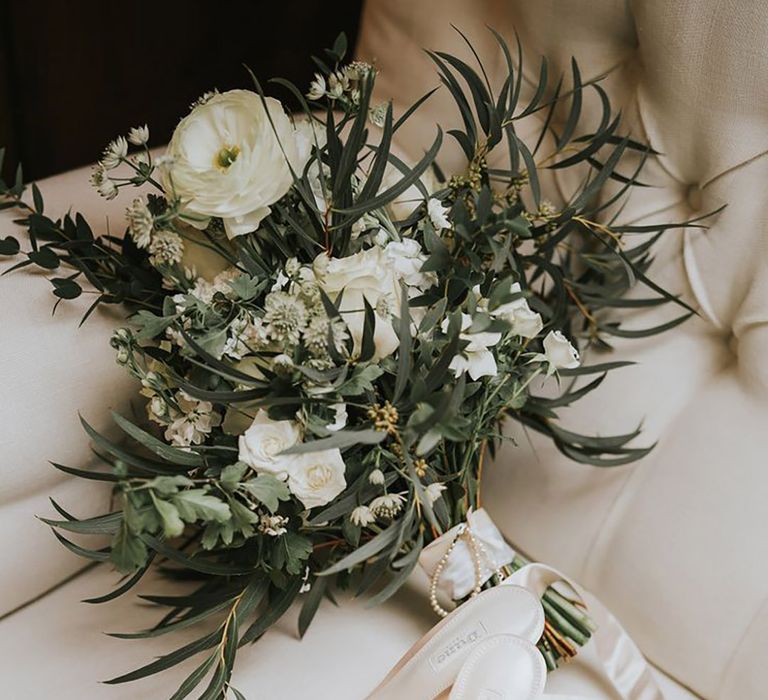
(376, 477)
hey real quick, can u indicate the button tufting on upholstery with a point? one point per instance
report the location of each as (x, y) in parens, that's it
(695, 197)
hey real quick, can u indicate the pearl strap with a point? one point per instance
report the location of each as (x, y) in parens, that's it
(478, 552)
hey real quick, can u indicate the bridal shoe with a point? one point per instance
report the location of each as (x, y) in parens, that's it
(505, 621)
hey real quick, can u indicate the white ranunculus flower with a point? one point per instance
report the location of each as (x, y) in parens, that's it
(226, 159)
(524, 320)
(261, 445)
(559, 352)
(365, 275)
(316, 478)
(407, 259)
(476, 358)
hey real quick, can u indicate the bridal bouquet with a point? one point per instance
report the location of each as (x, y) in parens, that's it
(327, 339)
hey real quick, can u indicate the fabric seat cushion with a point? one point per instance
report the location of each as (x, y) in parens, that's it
(56, 648)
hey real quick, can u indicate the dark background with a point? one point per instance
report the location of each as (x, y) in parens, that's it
(73, 75)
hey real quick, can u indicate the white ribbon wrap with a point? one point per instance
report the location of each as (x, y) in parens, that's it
(624, 666)
(458, 578)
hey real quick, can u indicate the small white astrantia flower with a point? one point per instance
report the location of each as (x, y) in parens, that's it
(438, 214)
(260, 446)
(194, 423)
(362, 516)
(559, 352)
(316, 478)
(114, 153)
(338, 82)
(166, 248)
(139, 135)
(476, 358)
(316, 87)
(376, 477)
(272, 525)
(378, 114)
(388, 505)
(101, 182)
(434, 491)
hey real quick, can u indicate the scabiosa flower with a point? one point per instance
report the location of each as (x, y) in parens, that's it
(387, 506)
(316, 335)
(362, 516)
(272, 525)
(114, 153)
(139, 135)
(285, 317)
(140, 222)
(194, 422)
(101, 182)
(316, 87)
(166, 248)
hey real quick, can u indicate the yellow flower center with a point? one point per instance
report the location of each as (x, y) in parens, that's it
(226, 156)
(318, 476)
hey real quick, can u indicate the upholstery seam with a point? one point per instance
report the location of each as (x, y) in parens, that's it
(43, 594)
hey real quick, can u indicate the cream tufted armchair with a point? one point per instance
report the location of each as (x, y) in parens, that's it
(673, 544)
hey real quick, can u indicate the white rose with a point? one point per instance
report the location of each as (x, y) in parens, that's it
(524, 320)
(225, 159)
(261, 445)
(407, 259)
(316, 478)
(559, 352)
(366, 275)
